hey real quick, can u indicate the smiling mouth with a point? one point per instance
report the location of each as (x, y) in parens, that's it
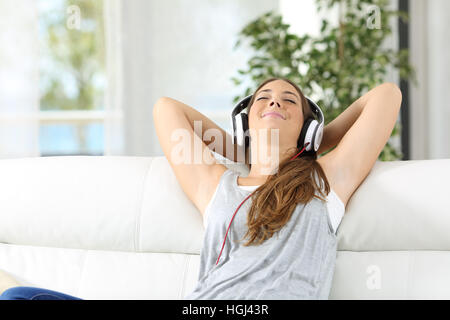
(274, 115)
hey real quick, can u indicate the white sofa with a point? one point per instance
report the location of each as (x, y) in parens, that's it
(122, 228)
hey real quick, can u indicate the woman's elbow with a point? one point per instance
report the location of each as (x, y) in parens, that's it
(160, 103)
(393, 91)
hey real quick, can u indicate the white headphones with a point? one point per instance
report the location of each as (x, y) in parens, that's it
(311, 133)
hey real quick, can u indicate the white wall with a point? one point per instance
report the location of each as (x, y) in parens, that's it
(302, 16)
(184, 50)
(180, 49)
(430, 106)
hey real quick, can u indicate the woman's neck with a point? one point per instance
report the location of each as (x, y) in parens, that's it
(249, 181)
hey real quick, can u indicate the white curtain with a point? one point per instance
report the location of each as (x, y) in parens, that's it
(19, 79)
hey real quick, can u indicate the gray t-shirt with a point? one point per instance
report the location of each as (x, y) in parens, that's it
(297, 262)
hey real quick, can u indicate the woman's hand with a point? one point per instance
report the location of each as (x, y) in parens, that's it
(199, 120)
(336, 129)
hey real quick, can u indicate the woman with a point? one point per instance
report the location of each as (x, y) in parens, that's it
(290, 230)
(280, 208)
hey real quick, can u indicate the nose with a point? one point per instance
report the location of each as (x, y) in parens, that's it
(273, 102)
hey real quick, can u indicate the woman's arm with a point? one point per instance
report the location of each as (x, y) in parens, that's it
(336, 129)
(208, 124)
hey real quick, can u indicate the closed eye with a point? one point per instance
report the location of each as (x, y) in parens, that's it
(284, 99)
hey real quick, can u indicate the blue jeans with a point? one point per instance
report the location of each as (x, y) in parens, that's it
(29, 293)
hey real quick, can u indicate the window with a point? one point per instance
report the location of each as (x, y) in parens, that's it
(72, 77)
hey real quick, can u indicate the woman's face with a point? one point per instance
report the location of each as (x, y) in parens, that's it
(283, 99)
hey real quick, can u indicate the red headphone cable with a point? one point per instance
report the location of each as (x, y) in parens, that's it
(223, 245)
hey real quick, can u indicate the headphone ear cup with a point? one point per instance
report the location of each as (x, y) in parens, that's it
(246, 133)
(241, 125)
(311, 136)
(240, 139)
(302, 138)
(318, 137)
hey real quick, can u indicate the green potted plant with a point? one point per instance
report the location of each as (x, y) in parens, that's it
(338, 66)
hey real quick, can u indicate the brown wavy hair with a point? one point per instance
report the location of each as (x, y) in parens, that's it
(274, 201)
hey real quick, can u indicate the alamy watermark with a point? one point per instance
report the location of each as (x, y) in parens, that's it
(74, 17)
(188, 149)
(373, 13)
(373, 282)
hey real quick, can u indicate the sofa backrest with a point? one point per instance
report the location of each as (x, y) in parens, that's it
(122, 228)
